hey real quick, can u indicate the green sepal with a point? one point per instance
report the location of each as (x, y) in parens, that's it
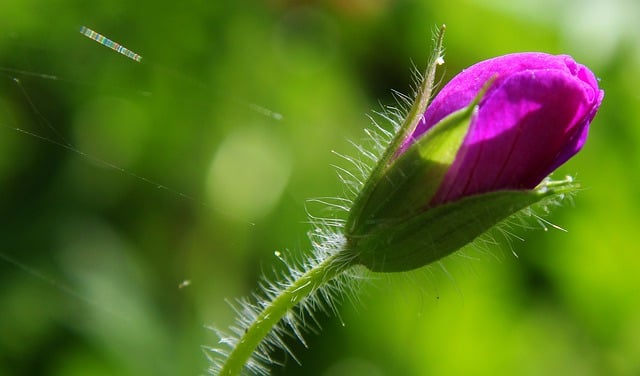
(442, 230)
(407, 128)
(411, 180)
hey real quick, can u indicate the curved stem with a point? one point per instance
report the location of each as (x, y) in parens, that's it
(325, 271)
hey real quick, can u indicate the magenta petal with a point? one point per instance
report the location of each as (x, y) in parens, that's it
(461, 90)
(528, 124)
(577, 142)
(533, 118)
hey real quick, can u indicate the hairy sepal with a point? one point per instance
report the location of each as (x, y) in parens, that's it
(411, 181)
(442, 230)
(405, 129)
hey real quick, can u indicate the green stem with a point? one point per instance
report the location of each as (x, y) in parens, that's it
(328, 269)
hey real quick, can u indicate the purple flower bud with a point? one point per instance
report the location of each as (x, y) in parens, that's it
(532, 119)
(476, 156)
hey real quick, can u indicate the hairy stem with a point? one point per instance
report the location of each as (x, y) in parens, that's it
(325, 271)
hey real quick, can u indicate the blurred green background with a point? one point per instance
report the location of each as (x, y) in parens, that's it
(180, 170)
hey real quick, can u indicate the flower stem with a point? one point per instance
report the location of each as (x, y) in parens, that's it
(314, 278)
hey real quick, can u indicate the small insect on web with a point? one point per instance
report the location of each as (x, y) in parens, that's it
(109, 43)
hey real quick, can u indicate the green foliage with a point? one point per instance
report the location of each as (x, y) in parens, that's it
(93, 256)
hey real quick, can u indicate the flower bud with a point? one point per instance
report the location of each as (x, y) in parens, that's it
(470, 163)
